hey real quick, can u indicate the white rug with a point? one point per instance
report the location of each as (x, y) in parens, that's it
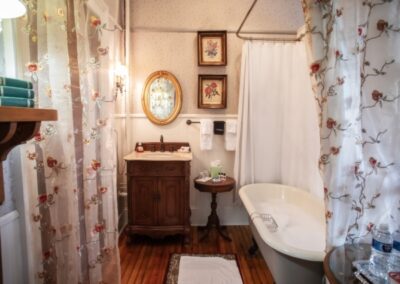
(205, 269)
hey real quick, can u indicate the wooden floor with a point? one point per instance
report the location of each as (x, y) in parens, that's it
(145, 261)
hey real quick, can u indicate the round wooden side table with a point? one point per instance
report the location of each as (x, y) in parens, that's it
(214, 188)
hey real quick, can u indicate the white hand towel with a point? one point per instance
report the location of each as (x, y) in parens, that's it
(206, 134)
(206, 126)
(231, 125)
(230, 135)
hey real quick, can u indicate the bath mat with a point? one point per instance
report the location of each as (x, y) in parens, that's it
(203, 268)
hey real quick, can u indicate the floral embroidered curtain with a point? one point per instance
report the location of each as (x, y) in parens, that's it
(355, 67)
(70, 166)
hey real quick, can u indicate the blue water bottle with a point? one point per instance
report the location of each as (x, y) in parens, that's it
(394, 260)
(381, 248)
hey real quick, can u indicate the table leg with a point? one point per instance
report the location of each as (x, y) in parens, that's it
(213, 220)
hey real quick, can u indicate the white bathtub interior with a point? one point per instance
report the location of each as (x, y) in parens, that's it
(297, 226)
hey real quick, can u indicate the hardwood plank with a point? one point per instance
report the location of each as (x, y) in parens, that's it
(137, 268)
(144, 267)
(246, 261)
(145, 260)
(157, 264)
(257, 274)
(130, 262)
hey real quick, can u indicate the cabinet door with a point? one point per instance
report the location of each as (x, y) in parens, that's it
(171, 201)
(142, 197)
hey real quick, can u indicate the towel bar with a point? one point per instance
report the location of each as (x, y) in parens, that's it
(189, 122)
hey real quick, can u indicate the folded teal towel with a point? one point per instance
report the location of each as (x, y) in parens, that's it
(16, 92)
(17, 102)
(11, 82)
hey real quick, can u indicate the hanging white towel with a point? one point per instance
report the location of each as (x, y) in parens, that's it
(206, 134)
(230, 135)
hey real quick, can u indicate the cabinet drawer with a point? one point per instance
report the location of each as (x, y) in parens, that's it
(151, 168)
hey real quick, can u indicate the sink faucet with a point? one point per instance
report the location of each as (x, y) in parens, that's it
(162, 146)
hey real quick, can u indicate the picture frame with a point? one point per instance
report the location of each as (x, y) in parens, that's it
(211, 48)
(212, 91)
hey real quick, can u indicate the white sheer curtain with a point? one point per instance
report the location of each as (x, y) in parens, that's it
(278, 134)
(71, 49)
(355, 68)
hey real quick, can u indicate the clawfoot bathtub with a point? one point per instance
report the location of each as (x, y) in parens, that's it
(288, 226)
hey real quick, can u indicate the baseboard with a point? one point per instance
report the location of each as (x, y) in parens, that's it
(228, 215)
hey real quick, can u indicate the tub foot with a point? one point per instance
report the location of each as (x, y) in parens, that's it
(254, 248)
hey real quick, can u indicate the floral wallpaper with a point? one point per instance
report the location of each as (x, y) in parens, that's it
(354, 65)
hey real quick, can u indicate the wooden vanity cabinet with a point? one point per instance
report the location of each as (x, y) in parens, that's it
(158, 198)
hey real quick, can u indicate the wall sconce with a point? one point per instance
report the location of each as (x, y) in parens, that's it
(121, 74)
(11, 9)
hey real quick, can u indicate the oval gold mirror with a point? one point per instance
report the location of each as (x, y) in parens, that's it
(162, 97)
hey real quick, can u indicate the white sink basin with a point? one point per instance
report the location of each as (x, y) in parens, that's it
(159, 156)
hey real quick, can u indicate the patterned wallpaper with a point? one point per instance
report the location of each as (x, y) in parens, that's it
(217, 14)
(163, 37)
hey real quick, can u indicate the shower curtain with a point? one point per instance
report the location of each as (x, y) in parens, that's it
(278, 139)
(355, 67)
(69, 49)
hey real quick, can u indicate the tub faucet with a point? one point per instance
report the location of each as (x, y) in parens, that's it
(162, 146)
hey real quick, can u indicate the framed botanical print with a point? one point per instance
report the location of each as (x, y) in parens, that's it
(211, 48)
(212, 91)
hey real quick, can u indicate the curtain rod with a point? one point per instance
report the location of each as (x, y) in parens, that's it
(261, 38)
(290, 34)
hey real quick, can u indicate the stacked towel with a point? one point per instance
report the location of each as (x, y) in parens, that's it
(11, 82)
(16, 102)
(14, 92)
(230, 135)
(206, 134)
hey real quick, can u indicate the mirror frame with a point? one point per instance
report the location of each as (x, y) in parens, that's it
(178, 97)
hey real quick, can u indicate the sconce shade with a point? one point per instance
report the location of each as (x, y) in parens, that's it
(11, 9)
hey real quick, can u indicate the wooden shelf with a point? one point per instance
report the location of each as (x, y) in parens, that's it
(17, 125)
(16, 114)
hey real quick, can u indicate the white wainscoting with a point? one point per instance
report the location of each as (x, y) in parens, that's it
(11, 252)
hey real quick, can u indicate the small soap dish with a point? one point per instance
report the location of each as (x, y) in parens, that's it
(184, 149)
